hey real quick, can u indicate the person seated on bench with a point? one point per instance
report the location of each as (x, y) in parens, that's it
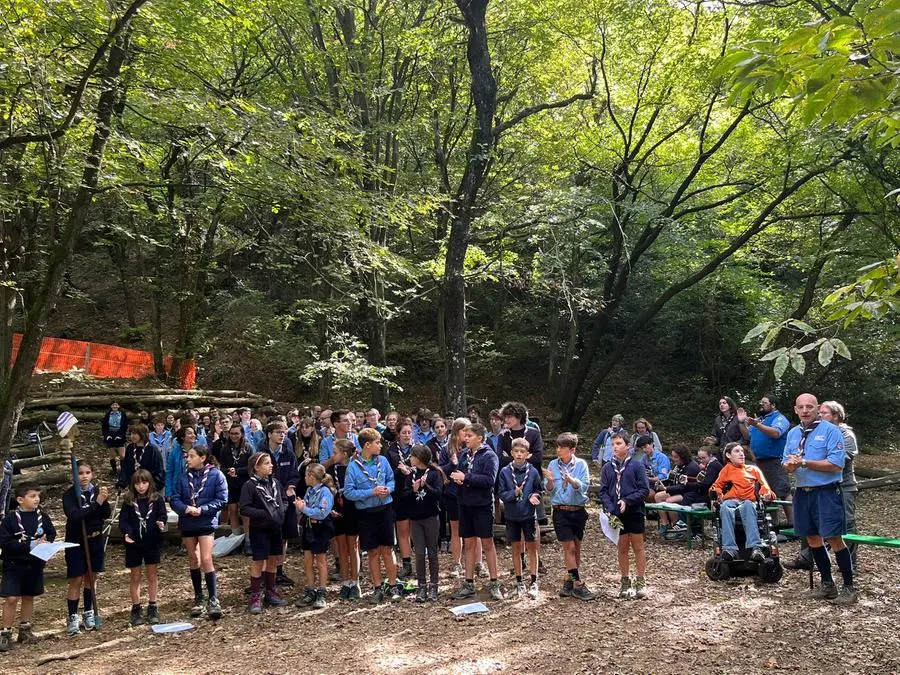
(655, 462)
(709, 458)
(680, 493)
(736, 490)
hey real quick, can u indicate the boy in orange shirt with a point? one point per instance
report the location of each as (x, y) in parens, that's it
(740, 497)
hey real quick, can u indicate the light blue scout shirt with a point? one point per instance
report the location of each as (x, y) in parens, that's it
(563, 493)
(326, 448)
(658, 463)
(823, 440)
(763, 446)
(319, 502)
(362, 479)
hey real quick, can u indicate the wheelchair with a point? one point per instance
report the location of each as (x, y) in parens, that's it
(769, 570)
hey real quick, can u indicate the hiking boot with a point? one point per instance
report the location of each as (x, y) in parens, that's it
(214, 609)
(73, 625)
(282, 579)
(533, 591)
(625, 588)
(756, 555)
(198, 607)
(344, 593)
(152, 614)
(467, 590)
(273, 598)
(582, 592)
(847, 596)
(5, 639)
(137, 618)
(405, 572)
(432, 592)
(422, 593)
(640, 588)
(481, 569)
(456, 571)
(319, 602)
(496, 591)
(256, 603)
(823, 592)
(798, 563)
(395, 592)
(566, 590)
(26, 635)
(354, 592)
(308, 598)
(377, 596)
(90, 620)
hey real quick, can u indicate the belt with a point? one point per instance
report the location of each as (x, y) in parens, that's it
(92, 535)
(566, 507)
(829, 486)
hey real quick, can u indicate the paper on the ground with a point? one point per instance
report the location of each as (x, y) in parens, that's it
(177, 627)
(223, 546)
(471, 608)
(47, 550)
(612, 533)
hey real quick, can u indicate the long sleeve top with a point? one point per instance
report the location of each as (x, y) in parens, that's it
(565, 494)
(140, 520)
(18, 532)
(84, 509)
(743, 481)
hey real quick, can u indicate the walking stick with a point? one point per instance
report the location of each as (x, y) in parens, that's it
(86, 543)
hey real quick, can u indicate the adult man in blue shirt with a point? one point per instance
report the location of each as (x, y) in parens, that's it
(814, 452)
(768, 433)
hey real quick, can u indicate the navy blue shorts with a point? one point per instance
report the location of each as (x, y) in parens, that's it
(76, 564)
(569, 525)
(22, 579)
(376, 527)
(137, 555)
(516, 529)
(316, 536)
(401, 506)
(451, 507)
(819, 511)
(265, 542)
(347, 524)
(476, 521)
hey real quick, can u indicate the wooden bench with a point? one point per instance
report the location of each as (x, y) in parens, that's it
(688, 513)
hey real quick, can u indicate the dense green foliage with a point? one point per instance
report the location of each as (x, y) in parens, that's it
(282, 183)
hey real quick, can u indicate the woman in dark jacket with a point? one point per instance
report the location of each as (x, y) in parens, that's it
(115, 429)
(233, 452)
(726, 427)
(685, 491)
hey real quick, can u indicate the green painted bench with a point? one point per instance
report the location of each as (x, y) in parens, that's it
(865, 539)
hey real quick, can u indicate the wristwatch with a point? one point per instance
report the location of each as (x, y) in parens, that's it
(803, 463)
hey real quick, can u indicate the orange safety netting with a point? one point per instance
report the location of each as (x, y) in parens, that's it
(100, 360)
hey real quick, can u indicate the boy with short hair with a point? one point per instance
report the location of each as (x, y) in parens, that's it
(476, 510)
(520, 492)
(568, 478)
(23, 574)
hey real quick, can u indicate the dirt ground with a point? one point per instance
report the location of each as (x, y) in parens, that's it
(689, 624)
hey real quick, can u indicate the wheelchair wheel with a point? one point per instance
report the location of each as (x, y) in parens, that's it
(771, 571)
(717, 569)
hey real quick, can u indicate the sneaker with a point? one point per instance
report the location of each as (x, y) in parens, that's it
(198, 606)
(432, 592)
(847, 596)
(422, 593)
(640, 588)
(308, 598)
(680, 526)
(728, 555)
(282, 579)
(566, 590)
(582, 592)
(541, 568)
(152, 614)
(377, 596)
(517, 591)
(137, 618)
(405, 572)
(273, 598)
(354, 592)
(256, 603)
(533, 591)
(697, 539)
(496, 591)
(456, 571)
(319, 602)
(395, 592)
(756, 555)
(824, 592)
(344, 593)
(6, 639)
(624, 588)
(467, 590)
(73, 625)
(662, 530)
(90, 620)
(26, 635)
(214, 609)
(481, 569)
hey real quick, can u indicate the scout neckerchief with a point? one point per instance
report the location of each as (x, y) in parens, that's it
(87, 494)
(201, 483)
(801, 448)
(142, 520)
(404, 457)
(138, 456)
(565, 470)
(313, 497)
(235, 458)
(336, 474)
(22, 534)
(441, 444)
(723, 423)
(619, 471)
(420, 495)
(378, 474)
(512, 473)
(269, 494)
(470, 459)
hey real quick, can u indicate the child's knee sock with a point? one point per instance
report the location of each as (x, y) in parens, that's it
(256, 584)
(88, 599)
(820, 555)
(270, 580)
(197, 582)
(72, 606)
(211, 584)
(845, 564)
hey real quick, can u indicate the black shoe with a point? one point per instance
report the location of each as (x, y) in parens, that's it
(282, 579)
(422, 593)
(137, 617)
(152, 615)
(757, 555)
(798, 563)
(728, 556)
(541, 568)
(405, 572)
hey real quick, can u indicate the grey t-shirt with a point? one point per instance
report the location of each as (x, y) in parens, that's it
(848, 480)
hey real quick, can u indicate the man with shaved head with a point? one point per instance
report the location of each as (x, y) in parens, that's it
(814, 453)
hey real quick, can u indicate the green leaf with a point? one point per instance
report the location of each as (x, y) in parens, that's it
(775, 354)
(802, 325)
(840, 348)
(826, 353)
(809, 347)
(781, 364)
(798, 363)
(756, 331)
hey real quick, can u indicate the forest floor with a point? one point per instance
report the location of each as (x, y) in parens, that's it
(688, 624)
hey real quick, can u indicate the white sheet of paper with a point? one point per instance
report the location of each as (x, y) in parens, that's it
(47, 550)
(177, 627)
(471, 608)
(611, 533)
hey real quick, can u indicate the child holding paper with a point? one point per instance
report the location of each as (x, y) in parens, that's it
(23, 573)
